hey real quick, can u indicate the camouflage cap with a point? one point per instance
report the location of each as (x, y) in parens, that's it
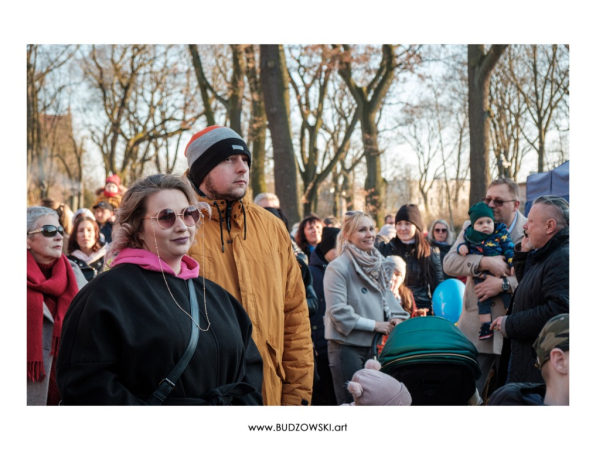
(554, 334)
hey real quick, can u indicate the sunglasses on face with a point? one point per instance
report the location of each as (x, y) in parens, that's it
(166, 218)
(48, 230)
(498, 203)
(440, 230)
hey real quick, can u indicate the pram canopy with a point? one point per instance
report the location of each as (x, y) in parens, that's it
(428, 340)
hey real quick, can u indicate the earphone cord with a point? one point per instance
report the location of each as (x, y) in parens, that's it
(165, 281)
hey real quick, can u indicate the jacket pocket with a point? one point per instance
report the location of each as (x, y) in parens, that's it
(276, 358)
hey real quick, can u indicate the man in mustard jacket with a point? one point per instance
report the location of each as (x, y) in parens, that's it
(247, 251)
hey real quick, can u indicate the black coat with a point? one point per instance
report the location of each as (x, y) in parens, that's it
(422, 290)
(443, 249)
(123, 334)
(317, 265)
(89, 270)
(519, 394)
(542, 293)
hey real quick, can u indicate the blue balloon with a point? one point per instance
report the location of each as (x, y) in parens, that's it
(448, 299)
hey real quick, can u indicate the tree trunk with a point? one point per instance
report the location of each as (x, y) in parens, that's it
(257, 131)
(196, 62)
(237, 88)
(277, 106)
(374, 185)
(480, 67)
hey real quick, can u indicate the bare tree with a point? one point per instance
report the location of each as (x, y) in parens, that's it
(481, 64)
(141, 100)
(369, 97)
(541, 76)
(232, 100)
(274, 75)
(45, 107)
(257, 130)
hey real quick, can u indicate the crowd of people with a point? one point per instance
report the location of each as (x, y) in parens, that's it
(128, 300)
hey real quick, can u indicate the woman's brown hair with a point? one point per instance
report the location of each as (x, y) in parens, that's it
(72, 239)
(129, 216)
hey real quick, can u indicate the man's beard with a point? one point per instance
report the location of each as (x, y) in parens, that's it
(210, 191)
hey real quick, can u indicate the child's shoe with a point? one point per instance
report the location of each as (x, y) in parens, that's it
(485, 331)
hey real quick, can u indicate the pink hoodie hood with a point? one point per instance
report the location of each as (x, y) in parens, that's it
(189, 268)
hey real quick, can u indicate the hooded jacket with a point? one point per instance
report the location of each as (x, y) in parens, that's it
(248, 252)
(124, 333)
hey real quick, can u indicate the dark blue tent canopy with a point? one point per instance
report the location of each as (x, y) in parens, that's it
(555, 182)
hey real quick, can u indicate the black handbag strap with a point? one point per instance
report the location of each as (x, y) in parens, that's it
(169, 383)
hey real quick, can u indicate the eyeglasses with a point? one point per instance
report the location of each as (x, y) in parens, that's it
(48, 230)
(166, 218)
(440, 230)
(498, 203)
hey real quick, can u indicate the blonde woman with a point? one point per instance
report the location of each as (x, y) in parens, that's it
(360, 303)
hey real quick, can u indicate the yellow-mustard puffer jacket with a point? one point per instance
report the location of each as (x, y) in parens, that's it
(252, 258)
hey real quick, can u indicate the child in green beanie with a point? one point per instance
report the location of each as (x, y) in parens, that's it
(487, 238)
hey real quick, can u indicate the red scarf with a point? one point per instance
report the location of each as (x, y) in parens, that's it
(60, 287)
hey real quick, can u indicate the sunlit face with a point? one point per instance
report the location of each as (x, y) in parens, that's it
(396, 280)
(313, 232)
(228, 180)
(86, 236)
(363, 237)
(111, 187)
(405, 230)
(102, 215)
(506, 212)
(440, 232)
(537, 228)
(45, 250)
(173, 243)
(484, 225)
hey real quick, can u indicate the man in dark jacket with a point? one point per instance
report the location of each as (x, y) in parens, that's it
(541, 263)
(324, 253)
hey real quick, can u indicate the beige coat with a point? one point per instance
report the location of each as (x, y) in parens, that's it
(456, 265)
(262, 273)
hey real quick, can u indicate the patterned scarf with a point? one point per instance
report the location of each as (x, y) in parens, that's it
(375, 266)
(60, 288)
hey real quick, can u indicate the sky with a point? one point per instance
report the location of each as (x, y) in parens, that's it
(110, 21)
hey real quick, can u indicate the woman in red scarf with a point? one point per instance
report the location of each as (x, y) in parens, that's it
(52, 283)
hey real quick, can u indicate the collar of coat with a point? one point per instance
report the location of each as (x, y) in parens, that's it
(224, 212)
(559, 239)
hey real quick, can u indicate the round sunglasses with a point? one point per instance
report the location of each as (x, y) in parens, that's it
(48, 230)
(166, 218)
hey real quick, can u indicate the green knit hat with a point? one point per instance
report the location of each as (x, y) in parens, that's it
(479, 210)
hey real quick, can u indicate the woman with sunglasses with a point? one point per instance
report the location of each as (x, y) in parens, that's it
(440, 236)
(131, 325)
(85, 248)
(423, 263)
(52, 283)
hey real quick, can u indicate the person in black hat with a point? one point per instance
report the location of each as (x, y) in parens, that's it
(424, 271)
(104, 215)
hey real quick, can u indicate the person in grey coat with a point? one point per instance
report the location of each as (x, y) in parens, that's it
(360, 303)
